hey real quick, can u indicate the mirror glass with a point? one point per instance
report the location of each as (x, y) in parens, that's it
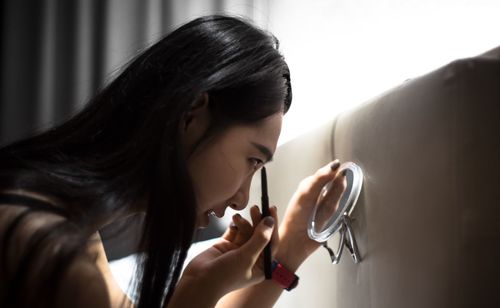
(328, 213)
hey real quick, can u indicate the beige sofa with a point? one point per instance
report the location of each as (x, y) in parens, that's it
(427, 221)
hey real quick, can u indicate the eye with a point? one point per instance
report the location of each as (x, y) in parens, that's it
(256, 163)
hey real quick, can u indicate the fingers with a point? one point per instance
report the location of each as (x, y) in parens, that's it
(275, 238)
(329, 202)
(231, 232)
(338, 187)
(261, 236)
(256, 216)
(245, 230)
(241, 231)
(324, 175)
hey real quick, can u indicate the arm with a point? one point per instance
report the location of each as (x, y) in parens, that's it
(193, 292)
(230, 264)
(83, 286)
(80, 284)
(95, 248)
(264, 294)
(294, 245)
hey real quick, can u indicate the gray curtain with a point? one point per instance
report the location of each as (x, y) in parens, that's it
(56, 54)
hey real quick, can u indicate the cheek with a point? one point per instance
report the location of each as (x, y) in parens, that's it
(215, 180)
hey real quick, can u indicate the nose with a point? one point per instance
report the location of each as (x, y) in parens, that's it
(240, 199)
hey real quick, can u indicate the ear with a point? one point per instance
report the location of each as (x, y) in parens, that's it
(195, 122)
(198, 112)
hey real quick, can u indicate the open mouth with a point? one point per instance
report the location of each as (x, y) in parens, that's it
(205, 218)
(204, 221)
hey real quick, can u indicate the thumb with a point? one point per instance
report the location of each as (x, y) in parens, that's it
(261, 236)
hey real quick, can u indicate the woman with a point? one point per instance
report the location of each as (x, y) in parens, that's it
(177, 135)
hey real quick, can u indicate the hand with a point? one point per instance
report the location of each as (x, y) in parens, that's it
(295, 244)
(235, 261)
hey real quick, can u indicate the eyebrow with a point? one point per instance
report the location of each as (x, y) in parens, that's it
(264, 150)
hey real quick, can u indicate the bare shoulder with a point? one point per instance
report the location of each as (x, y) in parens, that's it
(83, 286)
(80, 283)
(18, 228)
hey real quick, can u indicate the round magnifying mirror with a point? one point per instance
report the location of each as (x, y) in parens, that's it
(326, 218)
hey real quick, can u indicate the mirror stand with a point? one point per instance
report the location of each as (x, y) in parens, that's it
(346, 239)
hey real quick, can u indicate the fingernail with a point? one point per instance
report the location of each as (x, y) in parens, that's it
(269, 221)
(237, 216)
(335, 165)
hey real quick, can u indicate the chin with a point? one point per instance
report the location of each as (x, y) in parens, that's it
(200, 226)
(202, 221)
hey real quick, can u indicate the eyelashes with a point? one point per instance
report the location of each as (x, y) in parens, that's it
(256, 163)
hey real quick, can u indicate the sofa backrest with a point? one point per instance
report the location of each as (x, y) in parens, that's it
(428, 218)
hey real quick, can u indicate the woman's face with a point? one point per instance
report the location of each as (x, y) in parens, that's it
(222, 169)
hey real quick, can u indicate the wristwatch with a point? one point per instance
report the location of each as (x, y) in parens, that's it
(284, 277)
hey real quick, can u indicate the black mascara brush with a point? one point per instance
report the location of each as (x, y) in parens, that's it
(265, 213)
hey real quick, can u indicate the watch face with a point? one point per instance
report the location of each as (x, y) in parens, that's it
(328, 213)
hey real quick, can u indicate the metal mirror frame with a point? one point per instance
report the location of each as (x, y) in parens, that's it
(340, 220)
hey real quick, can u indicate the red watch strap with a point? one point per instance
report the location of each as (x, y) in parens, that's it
(284, 277)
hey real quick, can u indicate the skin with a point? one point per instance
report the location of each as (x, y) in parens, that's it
(230, 273)
(222, 169)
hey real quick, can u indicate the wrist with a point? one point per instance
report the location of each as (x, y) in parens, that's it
(292, 263)
(194, 292)
(287, 279)
(288, 255)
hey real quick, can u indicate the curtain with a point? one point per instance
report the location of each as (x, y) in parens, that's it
(56, 54)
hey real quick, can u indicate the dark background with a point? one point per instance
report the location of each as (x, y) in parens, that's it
(56, 54)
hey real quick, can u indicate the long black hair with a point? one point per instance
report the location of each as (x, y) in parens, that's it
(124, 146)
